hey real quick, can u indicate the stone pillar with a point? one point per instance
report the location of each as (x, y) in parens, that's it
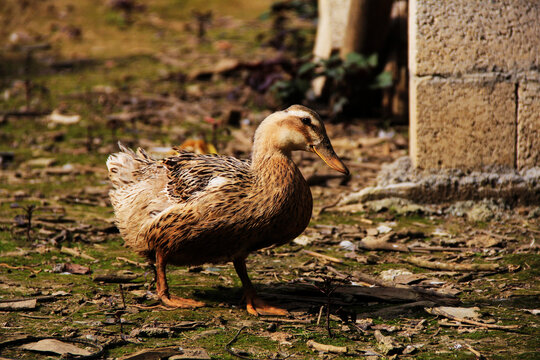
(474, 83)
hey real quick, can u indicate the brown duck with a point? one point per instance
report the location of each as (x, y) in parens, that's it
(192, 209)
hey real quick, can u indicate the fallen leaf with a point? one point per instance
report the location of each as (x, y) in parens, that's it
(483, 241)
(282, 337)
(387, 344)
(461, 312)
(55, 346)
(72, 269)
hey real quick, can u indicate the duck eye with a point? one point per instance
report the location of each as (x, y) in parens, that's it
(306, 121)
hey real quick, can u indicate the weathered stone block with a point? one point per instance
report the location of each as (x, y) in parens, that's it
(462, 122)
(528, 125)
(472, 36)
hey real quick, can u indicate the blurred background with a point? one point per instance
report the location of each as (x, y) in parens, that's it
(77, 76)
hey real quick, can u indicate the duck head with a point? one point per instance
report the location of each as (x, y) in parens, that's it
(297, 128)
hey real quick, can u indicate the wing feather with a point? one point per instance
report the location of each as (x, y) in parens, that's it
(190, 174)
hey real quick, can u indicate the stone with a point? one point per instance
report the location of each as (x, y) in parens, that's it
(464, 123)
(456, 37)
(192, 354)
(528, 125)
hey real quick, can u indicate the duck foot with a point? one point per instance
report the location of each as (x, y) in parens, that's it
(178, 302)
(256, 306)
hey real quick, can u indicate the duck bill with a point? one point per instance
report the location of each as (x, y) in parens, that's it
(326, 152)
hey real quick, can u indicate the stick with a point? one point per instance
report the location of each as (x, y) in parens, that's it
(327, 348)
(289, 321)
(138, 264)
(230, 351)
(440, 248)
(114, 278)
(320, 315)
(387, 284)
(475, 352)
(76, 252)
(324, 257)
(329, 206)
(398, 309)
(122, 296)
(437, 311)
(437, 265)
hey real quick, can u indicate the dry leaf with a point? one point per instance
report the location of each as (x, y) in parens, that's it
(55, 346)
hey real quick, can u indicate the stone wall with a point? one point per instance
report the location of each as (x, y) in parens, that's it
(474, 83)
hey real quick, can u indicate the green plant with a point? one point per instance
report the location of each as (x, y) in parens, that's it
(348, 81)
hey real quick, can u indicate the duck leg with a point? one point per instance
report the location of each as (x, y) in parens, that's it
(163, 289)
(255, 306)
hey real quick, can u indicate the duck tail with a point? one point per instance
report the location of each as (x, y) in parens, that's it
(125, 166)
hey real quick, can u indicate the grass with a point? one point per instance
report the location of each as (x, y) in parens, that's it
(123, 57)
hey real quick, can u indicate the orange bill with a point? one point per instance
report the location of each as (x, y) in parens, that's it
(326, 152)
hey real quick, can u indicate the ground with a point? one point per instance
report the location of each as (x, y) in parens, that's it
(148, 79)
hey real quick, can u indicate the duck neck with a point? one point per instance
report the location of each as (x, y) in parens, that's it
(271, 160)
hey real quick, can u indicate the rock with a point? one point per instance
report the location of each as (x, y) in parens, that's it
(347, 245)
(399, 205)
(40, 162)
(484, 210)
(303, 240)
(384, 229)
(191, 354)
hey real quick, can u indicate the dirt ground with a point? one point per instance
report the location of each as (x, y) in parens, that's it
(384, 279)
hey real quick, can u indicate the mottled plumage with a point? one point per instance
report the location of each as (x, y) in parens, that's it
(191, 209)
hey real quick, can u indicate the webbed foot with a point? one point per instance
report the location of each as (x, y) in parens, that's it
(178, 302)
(256, 306)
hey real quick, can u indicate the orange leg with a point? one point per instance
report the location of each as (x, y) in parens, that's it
(163, 289)
(255, 306)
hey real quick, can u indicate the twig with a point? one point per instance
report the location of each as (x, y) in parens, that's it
(498, 236)
(138, 264)
(153, 307)
(327, 348)
(289, 321)
(329, 206)
(121, 288)
(20, 268)
(475, 352)
(29, 211)
(436, 311)
(320, 315)
(440, 248)
(76, 252)
(230, 351)
(324, 257)
(115, 278)
(327, 289)
(78, 308)
(398, 309)
(437, 265)
(35, 316)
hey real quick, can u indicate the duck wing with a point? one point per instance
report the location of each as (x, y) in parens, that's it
(191, 174)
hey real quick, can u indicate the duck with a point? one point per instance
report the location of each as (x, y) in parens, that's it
(191, 209)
